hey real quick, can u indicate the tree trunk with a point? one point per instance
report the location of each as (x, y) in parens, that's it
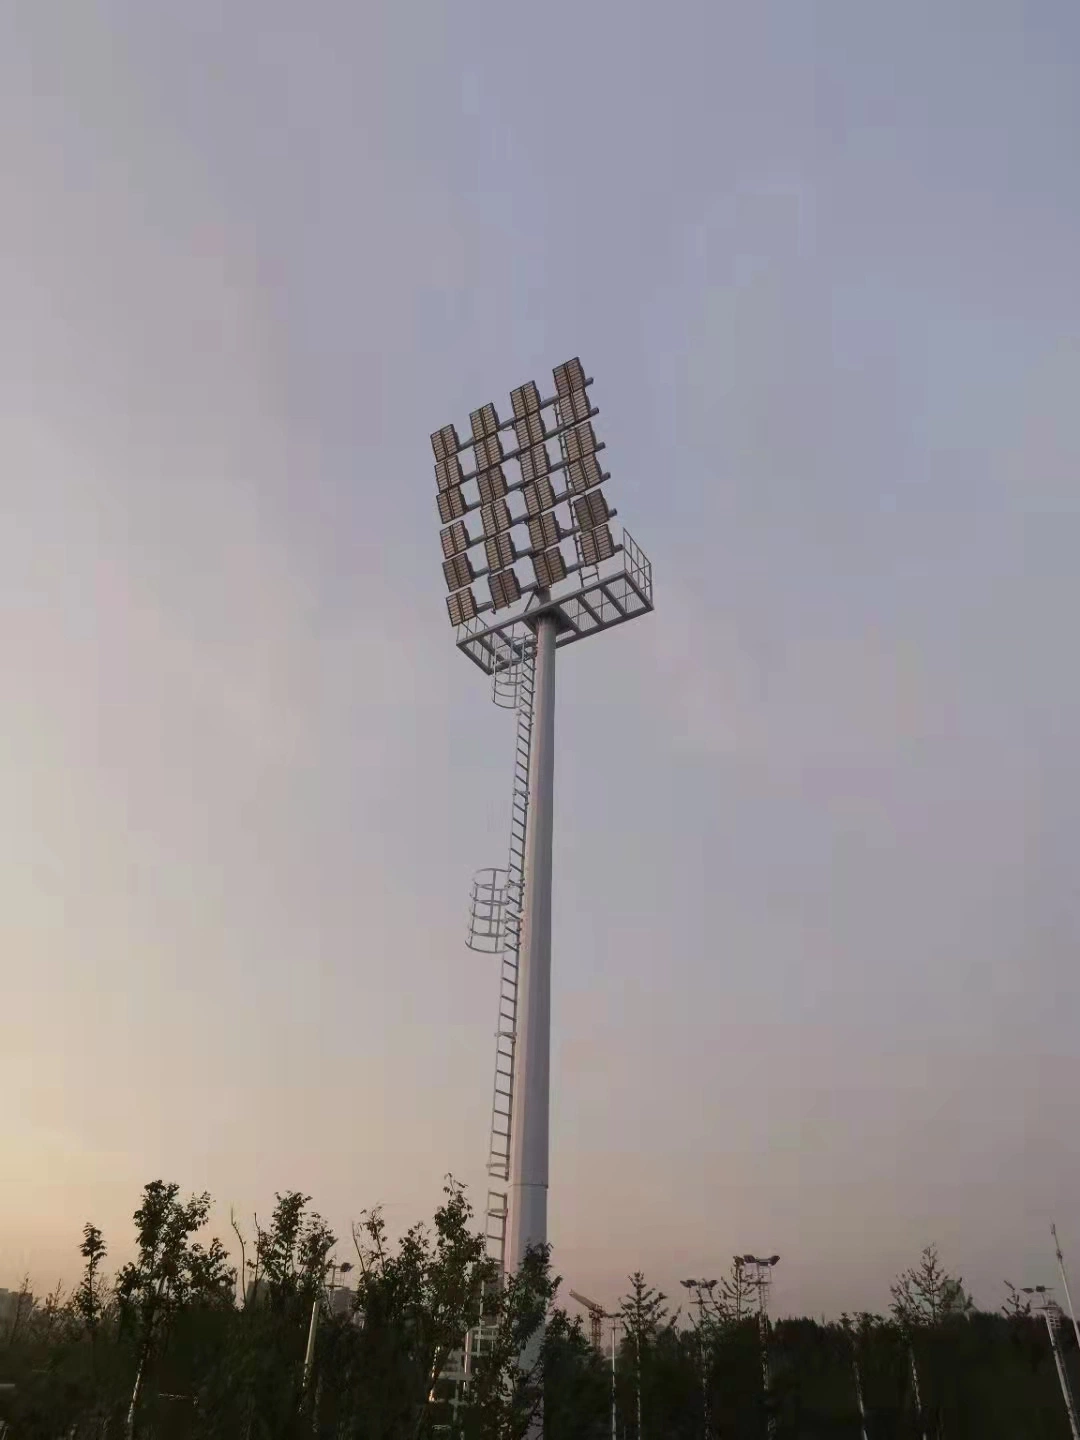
(129, 1429)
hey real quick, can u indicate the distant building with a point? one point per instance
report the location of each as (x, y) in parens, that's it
(341, 1300)
(15, 1306)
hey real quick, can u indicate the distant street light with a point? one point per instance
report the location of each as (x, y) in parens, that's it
(701, 1289)
(763, 1279)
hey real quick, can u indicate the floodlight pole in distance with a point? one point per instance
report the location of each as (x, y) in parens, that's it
(763, 1267)
(1065, 1282)
(1051, 1312)
(700, 1289)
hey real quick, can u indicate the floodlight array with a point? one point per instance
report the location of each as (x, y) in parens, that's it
(573, 478)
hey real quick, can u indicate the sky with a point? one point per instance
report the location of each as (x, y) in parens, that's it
(816, 917)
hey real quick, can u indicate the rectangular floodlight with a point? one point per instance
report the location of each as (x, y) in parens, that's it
(461, 607)
(495, 517)
(500, 551)
(505, 589)
(448, 472)
(488, 452)
(595, 545)
(573, 407)
(455, 540)
(530, 430)
(550, 568)
(525, 400)
(539, 497)
(451, 504)
(591, 510)
(580, 441)
(569, 376)
(582, 475)
(492, 485)
(445, 442)
(484, 421)
(458, 572)
(535, 463)
(544, 531)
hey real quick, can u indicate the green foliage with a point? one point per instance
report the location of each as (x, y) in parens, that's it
(172, 1335)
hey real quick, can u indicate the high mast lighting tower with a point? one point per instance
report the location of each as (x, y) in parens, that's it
(762, 1268)
(554, 574)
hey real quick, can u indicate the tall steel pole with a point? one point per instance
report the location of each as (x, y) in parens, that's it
(1052, 1314)
(858, 1392)
(532, 1057)
(1065, 1282)
(614, 1322)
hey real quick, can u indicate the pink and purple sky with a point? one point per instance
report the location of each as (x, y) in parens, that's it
(816, 906)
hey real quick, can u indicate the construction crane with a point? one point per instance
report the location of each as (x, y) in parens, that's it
(597, 1316)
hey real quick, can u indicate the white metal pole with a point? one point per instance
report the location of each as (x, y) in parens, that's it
(613, 1324)
(915, 1384)
(858, 1392)
(1063, 1379)
(1065, 1282)
(532, 1051)
(309, 1354)
(532, 1048)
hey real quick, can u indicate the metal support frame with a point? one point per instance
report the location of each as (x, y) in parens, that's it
(617, 590)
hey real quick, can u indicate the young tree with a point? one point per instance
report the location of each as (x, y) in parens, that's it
(925, 1294)
(642, 1312)
(171, 1270)
(88, 1302)
(418, 1302)
(505, 1393)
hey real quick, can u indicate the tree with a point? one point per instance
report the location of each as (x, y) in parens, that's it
(925, 1294)
(88, 1302)
(509, 1376)
(170, 1272)
(642, 1312)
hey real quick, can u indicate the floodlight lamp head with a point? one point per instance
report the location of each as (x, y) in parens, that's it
(525, 399)
(445, 442)
(569, 376)
(484, 422)
(773, 1259)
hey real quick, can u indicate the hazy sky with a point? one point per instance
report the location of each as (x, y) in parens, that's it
(816, 905)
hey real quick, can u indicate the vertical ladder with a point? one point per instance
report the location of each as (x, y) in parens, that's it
(506, 1034)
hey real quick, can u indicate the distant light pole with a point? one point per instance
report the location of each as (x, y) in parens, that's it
(313, 1327)
(763, 1279)
(1051, 1312)
(700, 1289)
(858, 1390)
(1065, 1282)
